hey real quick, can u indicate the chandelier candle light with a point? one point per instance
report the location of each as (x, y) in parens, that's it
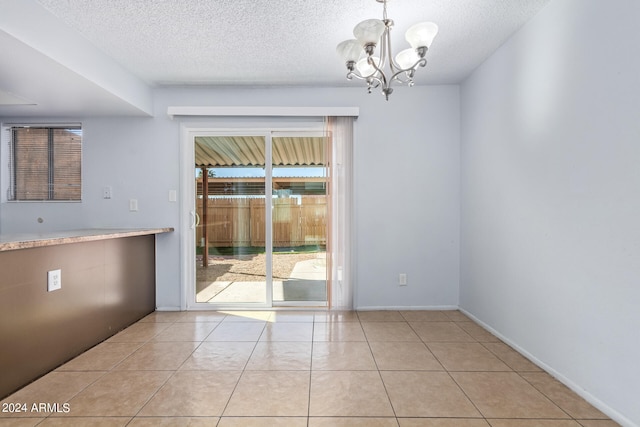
(373, 32)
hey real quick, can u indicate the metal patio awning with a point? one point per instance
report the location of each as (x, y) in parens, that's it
(242, 151)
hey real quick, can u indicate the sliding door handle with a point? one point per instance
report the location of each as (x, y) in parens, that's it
(195, 220)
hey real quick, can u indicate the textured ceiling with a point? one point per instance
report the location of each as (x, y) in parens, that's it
(262, 42)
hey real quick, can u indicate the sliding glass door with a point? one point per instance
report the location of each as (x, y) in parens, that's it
(231, 252)
(261, 219)
(299, 218)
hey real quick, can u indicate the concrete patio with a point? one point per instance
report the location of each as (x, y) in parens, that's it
(307, 282)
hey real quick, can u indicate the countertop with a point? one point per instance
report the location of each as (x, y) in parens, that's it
(9, 242)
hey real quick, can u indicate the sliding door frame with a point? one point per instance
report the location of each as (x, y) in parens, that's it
(188, 210)
(202, 118)
(327, 301)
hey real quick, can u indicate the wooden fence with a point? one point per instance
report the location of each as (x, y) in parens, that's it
(240, 222)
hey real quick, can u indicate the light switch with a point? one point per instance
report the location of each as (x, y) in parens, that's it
(402, 279)
(173, 195)
(107, 192)
(133, 205)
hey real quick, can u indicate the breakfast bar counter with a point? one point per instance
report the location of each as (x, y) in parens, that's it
(62, 293)
(34, 240)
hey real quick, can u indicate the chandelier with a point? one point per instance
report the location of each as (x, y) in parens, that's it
(383, 70)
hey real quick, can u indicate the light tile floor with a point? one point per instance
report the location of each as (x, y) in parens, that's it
(311, 369)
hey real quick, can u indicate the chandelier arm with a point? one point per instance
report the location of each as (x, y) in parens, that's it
(377, 81)
(356, 73)
(368, 79)
(420, 63)
(378, 74)
(397, 77)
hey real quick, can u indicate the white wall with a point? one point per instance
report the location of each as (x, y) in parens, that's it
(550, 250)
(406, 195)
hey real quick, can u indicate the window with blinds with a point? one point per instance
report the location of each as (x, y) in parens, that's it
(46, 163)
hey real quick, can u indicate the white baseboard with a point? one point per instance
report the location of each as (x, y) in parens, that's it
(366, 308)
(408, 308)
(169, 308)
(597, 403)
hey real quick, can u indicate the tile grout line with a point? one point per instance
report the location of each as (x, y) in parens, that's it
(467, 396)
(113, 368)
(242, 372)
(386, 391)
(313, 330)
(547, 397)
(174, 371)
(165, 381)
(451, 376)
(427, 347)
(103, 373)
(239, 376)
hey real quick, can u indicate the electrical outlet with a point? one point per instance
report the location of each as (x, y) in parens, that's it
(402, 279)
(54, 280)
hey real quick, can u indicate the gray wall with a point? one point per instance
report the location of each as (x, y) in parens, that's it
(551, 196)
(406, 195)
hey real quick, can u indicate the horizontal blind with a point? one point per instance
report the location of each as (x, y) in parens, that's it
(31, 164)
(67, 167)
(46, 163)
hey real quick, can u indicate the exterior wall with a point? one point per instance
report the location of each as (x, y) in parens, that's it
(551, 197)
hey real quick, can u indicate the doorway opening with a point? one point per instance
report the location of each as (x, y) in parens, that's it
(262, 219)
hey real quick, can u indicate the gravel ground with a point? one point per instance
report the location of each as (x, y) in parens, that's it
(248, 268)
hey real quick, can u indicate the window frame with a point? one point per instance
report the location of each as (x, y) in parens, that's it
(8, 153)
